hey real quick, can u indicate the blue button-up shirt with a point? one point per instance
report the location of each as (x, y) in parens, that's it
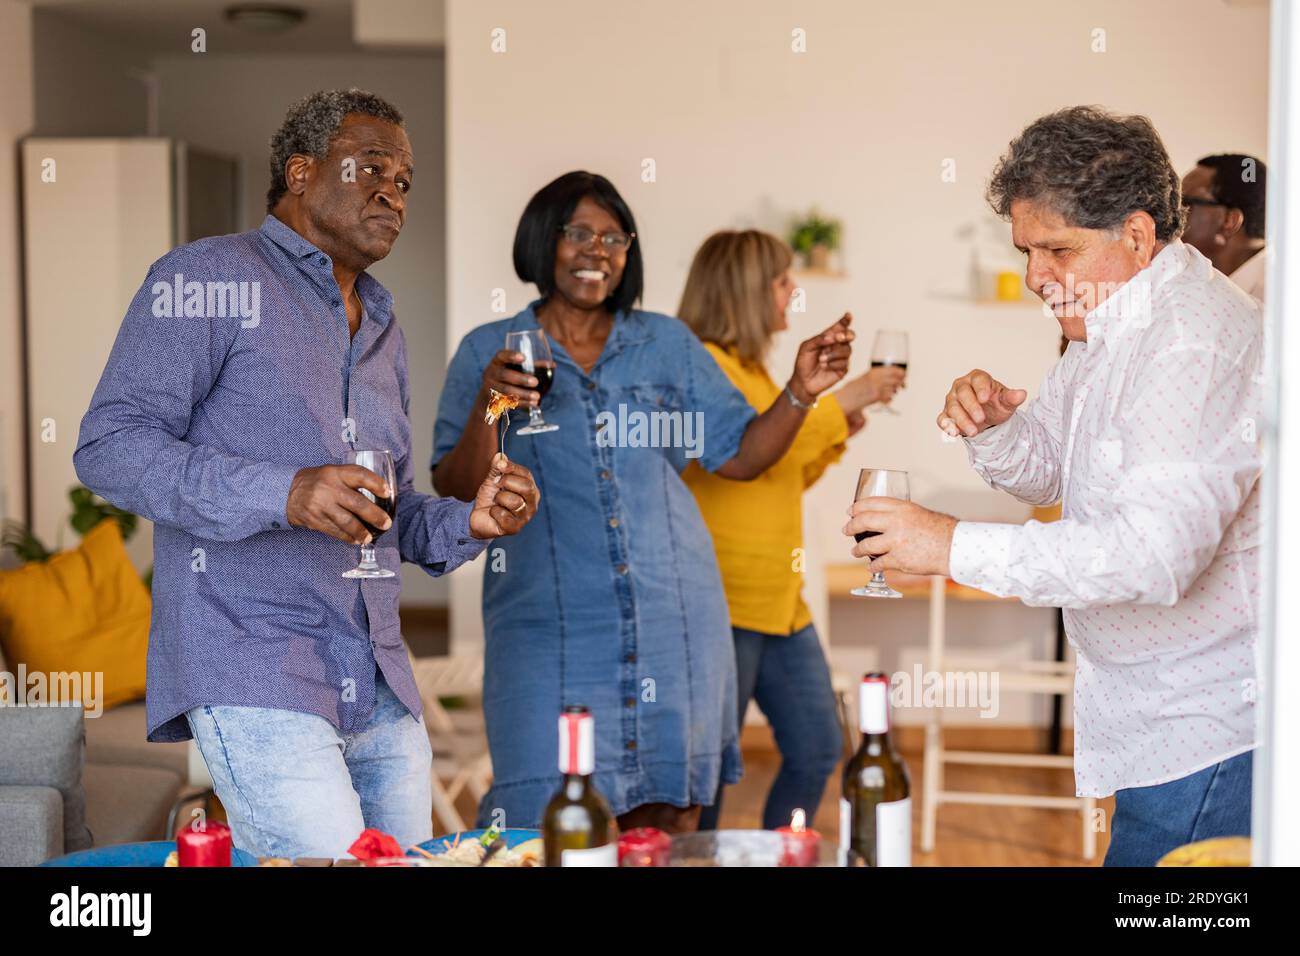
(611, 596)
(200, 422)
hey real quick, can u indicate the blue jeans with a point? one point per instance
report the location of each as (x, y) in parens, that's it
(1151, 821)
(788, 676)
(293, 785)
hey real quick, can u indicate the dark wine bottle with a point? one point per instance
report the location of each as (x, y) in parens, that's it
(578, 828)
(876, 808)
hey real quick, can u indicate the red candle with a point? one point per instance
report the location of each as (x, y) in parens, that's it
(800, 844)
(207, 846)
(644, 846)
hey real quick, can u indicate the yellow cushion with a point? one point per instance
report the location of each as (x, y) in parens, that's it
(84, 610)
(1220, 851)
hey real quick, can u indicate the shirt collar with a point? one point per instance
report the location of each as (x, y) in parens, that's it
(376, 301)
(1129, 307)
(629, 328)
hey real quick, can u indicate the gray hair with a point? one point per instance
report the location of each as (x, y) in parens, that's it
(311, 125)
(1094, 169)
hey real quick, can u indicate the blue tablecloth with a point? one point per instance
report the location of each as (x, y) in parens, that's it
(136, 854)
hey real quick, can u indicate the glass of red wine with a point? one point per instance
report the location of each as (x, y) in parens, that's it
(381, 463)
(889, 348)
(879, 483)
(538, 363)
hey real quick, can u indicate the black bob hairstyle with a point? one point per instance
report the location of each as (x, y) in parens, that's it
(549, 211)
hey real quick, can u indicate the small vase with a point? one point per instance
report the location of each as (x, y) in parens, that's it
(819, 258)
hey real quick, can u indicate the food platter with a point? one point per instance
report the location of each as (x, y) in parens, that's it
(518, 851)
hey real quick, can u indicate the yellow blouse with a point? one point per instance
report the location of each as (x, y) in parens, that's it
(757, 525)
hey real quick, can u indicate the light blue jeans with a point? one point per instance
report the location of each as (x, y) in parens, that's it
(293, 785)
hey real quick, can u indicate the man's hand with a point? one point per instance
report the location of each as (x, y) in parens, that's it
(506, 501)
(822, 360)
(978, 401)
(326, 499)
(912, 539)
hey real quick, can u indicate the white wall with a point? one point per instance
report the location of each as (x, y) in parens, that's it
(233, 104)
(743, 131)
(16, 116)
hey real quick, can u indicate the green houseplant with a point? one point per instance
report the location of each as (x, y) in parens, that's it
(815, 237)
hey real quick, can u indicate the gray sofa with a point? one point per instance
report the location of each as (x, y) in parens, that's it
(68, 782)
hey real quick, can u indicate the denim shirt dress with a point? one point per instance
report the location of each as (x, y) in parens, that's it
(611, 596)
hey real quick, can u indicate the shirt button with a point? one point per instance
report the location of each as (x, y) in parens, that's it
(590, 385)
(631, 745)
(320, 260)
(629, 701)
(335, 303)
(613, 522)
(604, 473)
(275, 524)
(621, 568)
(629, 659)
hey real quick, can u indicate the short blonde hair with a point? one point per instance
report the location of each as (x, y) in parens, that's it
(728, 294)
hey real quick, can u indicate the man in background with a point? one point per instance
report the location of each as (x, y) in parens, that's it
(1224, 196)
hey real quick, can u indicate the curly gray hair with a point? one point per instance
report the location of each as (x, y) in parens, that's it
(1093, 168)
(311, 125)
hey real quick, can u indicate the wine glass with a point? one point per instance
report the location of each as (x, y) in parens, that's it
(889, 348)
(538, 363)
(381, 463)
(879, 483)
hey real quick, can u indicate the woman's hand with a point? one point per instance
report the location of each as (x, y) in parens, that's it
(521, 385)
(822, 361)
(881, 382)
(506, 501)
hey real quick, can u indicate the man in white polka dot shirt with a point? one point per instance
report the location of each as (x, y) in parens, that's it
(1145, 430)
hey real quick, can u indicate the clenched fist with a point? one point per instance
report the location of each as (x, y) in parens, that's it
(978, 401)
(505, 502)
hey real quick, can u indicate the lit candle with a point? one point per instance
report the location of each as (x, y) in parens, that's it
(800, 843)
(644, 846)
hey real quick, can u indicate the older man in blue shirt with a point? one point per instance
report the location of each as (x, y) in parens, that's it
(246, 369)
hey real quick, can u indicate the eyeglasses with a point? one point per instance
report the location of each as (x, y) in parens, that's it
(613, 241)
(1190, 201)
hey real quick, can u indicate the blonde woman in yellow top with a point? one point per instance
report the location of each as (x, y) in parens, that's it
(735, 300)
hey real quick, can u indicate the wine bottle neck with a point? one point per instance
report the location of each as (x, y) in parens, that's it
(577, 744)
(873, 706)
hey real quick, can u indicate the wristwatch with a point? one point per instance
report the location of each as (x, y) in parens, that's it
(796, 403)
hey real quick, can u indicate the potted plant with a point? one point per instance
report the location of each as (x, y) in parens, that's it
(815, 237)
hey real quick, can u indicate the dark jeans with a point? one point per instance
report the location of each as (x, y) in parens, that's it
(788, 676)
(1151, 821)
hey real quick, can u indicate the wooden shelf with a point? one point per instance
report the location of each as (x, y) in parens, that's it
(818, 274)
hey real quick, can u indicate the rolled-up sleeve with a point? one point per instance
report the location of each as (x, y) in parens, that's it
(131, 448)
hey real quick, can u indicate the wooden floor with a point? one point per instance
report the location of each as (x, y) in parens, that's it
(966, 835)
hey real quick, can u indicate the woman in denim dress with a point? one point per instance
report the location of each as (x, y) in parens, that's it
(611, 597)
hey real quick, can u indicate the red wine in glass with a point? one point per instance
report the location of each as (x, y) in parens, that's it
(387, 505)
(381, 463)
(889, 349)
(538, 362)
(545, 375)
(879, 483)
